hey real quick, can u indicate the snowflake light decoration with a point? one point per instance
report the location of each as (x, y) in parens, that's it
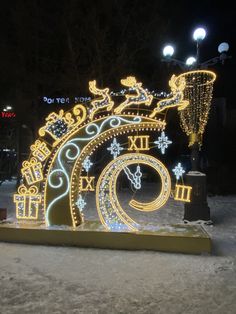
(81, 203)
(178, 171)
(87, 164)
(115, 148)
(163, 142)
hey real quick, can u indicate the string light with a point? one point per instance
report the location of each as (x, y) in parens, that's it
(69, 139)
(106, 190)
(58, 125)
(32, 171)
(177, 99)
(27, 202)
(103, 102)
(40, 150)
(141, 97)
(198, 91)
(182, 193)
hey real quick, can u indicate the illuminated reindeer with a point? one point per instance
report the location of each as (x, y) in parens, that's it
(100, 103)
(141, 97)
(177, 99)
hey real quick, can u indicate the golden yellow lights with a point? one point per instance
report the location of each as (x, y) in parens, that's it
(100, 103)
(27, 202)
(86, 183)
(55, 165)
(138, 142)
(177, 100)
(58, 125)
(114, 216)
(140, 97)
(32, 171)
(40, 150)
(182, 193)
(198, 91)
(146, 124)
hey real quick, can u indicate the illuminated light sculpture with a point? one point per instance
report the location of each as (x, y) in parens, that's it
(58, 125)
(138, 142)
(178, 171)
(115, 148)
(141, 96)
(134, 178)
(101, 103)
(81, 203)
(40, 150)
(86, 183)
(62, 170)
(198, 91)
(27, 202)
(87, 164)
(32, 171)
(106, 191)
(178, 99)
(182, 193)
(163, 142)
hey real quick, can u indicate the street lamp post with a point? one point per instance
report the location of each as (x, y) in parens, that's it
(199, 88)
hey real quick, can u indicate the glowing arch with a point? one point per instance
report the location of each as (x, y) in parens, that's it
(53, 175)
(61, 183)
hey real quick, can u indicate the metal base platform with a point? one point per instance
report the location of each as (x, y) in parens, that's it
(168, 238)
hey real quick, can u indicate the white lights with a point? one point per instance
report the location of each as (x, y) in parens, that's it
(223, 47)
(134, 178)
(178, 171)
(163, 142)
(115, 148)
(190, 61)
(199, 34)
(87, 164)
(7, 108)
(81, 203)
(168, 51)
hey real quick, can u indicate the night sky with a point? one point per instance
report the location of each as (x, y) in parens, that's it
(53, 48)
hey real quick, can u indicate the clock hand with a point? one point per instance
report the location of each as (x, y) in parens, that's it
(135, 178)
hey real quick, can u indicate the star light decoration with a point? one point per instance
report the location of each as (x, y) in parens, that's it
(163, 142)
(115, 148)
(87, 164)
(178, 171)
(81, 203)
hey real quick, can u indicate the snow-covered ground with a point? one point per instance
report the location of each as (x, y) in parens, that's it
(43, 279)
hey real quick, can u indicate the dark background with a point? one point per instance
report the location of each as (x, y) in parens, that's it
(53, 48)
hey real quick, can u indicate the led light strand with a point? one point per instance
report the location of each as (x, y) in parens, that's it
(177, 86)
(198, 91)
(101, 103)
(141, 97)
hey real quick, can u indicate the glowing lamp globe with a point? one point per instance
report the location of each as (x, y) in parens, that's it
(190, 61)
(168, 51)
(199, 34)
(223, 47)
